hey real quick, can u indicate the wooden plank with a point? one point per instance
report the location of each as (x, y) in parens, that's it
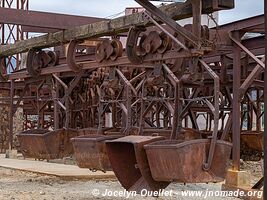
(176, 11)
(53, 169)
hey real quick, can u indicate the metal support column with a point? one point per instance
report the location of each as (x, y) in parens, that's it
(236, 103)
(55, 95)
(10, 138)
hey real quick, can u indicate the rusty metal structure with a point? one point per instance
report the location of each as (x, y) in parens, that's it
(10, 33)
(169, 104)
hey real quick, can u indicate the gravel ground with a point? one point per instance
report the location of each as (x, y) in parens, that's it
(17, 185)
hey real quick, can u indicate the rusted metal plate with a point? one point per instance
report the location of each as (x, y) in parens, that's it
(182, 161)
(253, 139)
(129, 163)
(31, 143)
(90, 151)
(44, 144)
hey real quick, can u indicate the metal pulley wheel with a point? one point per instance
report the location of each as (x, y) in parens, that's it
(132, 45)
(108, 50)
(54, 58)
(103, 51)
(140, 47)
(70, 57)
(166, 43)
(100, 54)
(152, 42)
(117, 49)
(34, 62)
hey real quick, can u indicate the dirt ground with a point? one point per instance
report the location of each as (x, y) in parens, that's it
(17, 185)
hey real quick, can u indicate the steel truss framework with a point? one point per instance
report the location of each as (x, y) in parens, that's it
(160, 82)
(10, 33)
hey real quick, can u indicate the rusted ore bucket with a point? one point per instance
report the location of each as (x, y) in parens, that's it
(129, 163)
(44, 144)
(182, 161)
(90, 151)
(253, 139)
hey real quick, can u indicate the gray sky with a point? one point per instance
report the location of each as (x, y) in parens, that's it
(105, 8)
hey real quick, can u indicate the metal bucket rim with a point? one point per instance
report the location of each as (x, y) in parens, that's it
(257, 133)
(95, 137)
(134, 139)
(160, 144)
(27, 132)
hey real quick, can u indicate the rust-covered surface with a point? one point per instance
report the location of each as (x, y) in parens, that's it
(182, 161)
(130, 165)
(177, 83)
(253, 139)
(90, 151)
(43, 144)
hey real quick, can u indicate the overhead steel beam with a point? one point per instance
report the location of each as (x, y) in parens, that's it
(244, 24)
(43, 19)
(255, 45)
(148, 60)
(33, 29)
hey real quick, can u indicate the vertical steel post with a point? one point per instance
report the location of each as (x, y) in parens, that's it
(55, 95)
(10, 137)
(258, 112)
(236, 103)
(67, 115)
(197, 9)
(9, 34)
